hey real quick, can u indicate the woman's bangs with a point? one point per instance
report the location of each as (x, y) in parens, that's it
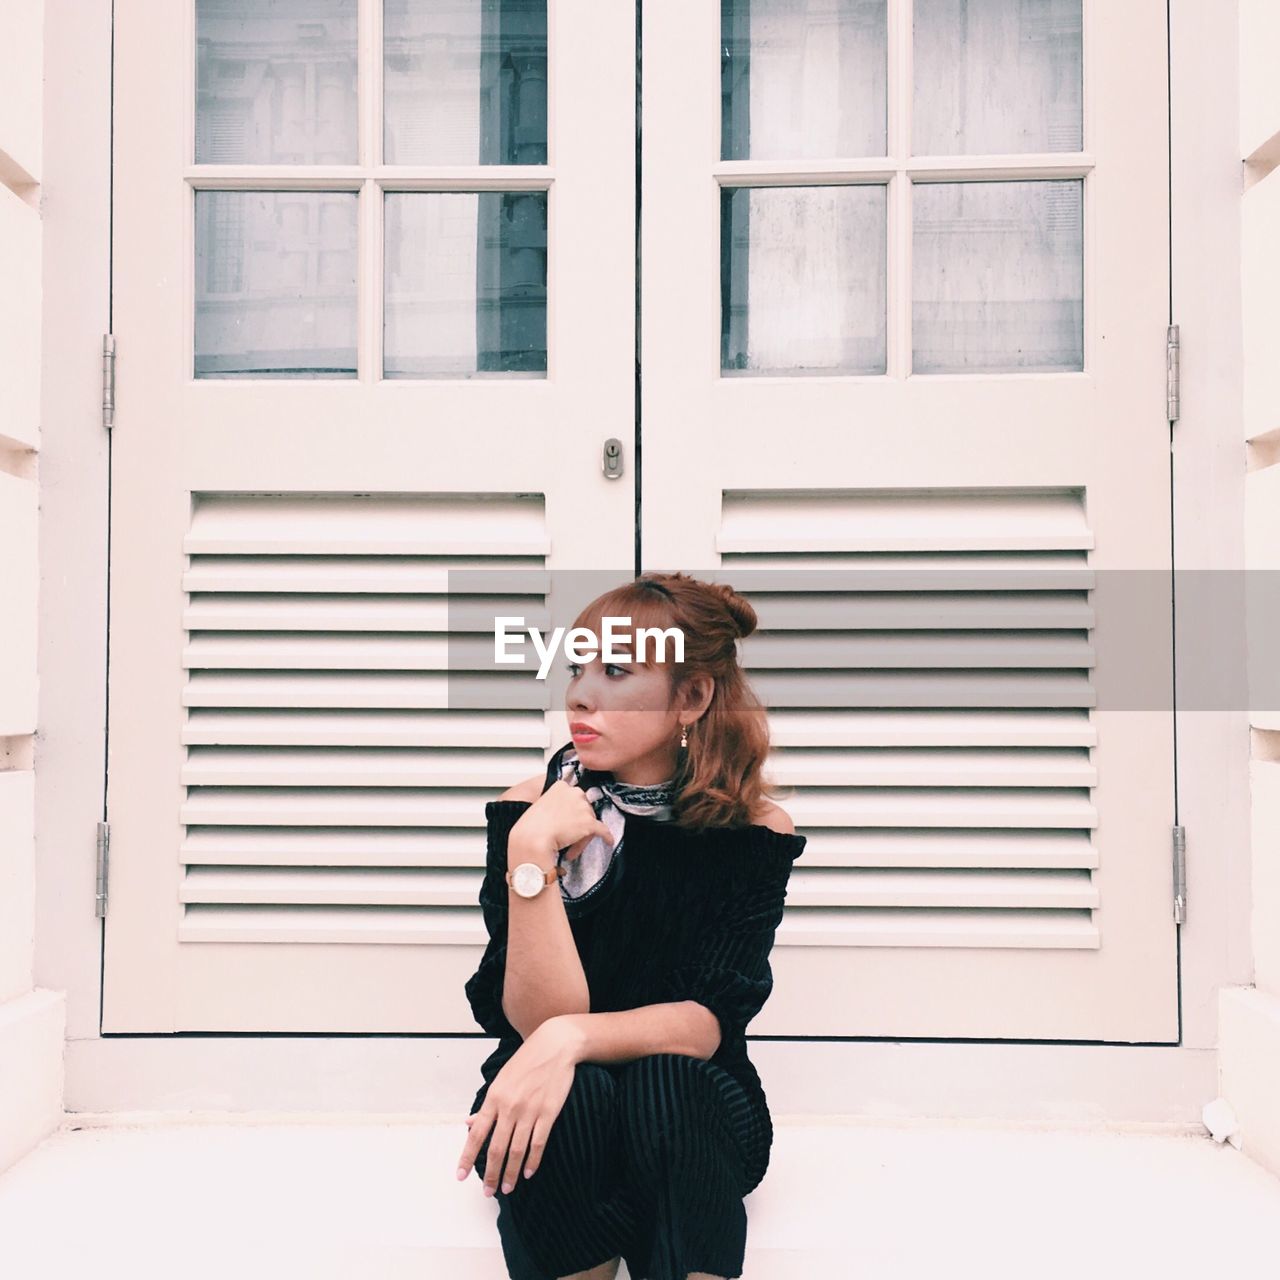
(638, 605)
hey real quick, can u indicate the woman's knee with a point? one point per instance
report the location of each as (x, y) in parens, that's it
(659, 1096)
(671, 1114)
(664, 1085)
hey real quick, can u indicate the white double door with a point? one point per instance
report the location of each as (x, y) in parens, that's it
(903, 283)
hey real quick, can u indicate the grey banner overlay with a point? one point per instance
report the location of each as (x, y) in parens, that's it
(1035, 637)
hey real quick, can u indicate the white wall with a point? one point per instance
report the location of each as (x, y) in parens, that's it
(1249, 1033)
(31, 1020)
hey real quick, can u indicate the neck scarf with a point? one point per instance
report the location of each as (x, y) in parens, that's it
(612, 801)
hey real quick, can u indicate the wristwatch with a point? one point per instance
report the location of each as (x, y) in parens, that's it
(528, 879)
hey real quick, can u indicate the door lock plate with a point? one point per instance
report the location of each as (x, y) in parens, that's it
(611, 458)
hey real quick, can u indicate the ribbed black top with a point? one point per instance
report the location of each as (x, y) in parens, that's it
(680, 915)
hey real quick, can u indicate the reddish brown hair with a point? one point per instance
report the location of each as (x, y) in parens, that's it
(719, 776)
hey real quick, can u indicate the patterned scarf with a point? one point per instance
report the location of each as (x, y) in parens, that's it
(612, 801)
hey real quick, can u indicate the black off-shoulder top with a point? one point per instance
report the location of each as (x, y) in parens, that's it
(679, 915)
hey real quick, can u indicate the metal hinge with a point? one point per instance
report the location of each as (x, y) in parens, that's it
(1179, 875)
(1173, 372)
(108, 380)
(104, 852)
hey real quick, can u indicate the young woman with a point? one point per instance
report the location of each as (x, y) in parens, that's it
(625, 963)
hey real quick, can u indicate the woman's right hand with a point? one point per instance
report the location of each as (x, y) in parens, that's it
(562, 815)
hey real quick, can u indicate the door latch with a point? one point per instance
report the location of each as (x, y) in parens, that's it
(611, 459)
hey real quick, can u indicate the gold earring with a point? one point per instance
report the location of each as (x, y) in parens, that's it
(684, 735)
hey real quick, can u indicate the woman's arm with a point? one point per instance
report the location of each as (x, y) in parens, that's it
(530, 970)
(683, 1027)
(544, 975)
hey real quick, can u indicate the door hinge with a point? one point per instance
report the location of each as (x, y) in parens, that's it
(104, 852)
(1173, 372)
(108, 380)
(1179, 875)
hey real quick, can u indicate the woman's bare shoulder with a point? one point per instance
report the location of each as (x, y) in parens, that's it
(530, 789)
(776, 818)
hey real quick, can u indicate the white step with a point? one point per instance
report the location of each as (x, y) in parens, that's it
(887, 1200)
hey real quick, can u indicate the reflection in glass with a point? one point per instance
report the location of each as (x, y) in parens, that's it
(275, 82)
(995, 77)
(466, 284)
(802, 78)
(275, 284)
(802, 279)
(998, 276)
(465, 82)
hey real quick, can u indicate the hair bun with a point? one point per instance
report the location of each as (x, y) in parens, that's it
(739, 609)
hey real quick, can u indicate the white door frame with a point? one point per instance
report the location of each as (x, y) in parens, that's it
(434, 1073)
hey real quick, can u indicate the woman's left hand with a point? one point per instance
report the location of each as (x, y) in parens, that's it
(522, 1104)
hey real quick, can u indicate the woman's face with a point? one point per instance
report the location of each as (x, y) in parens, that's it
(623, 719)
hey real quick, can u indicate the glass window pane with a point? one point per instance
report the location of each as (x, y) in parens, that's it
(466, 284)
(802, 279)
(997, 77)
(465, 82)
(275, 284)
(802, 78)
(998, 276)
(275, 82)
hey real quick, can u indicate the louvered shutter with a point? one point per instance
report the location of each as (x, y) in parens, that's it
(305, 719)
(988, 818)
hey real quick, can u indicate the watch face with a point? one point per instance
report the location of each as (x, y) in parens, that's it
(528, 880)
